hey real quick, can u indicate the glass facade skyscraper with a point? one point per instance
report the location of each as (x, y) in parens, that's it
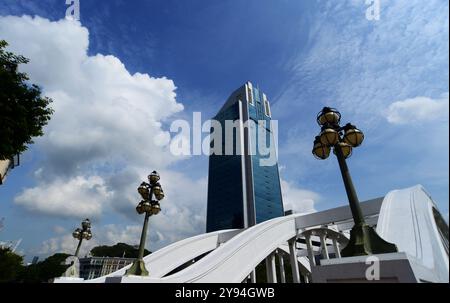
(243, 190)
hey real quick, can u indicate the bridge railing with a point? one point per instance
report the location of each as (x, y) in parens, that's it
(330, 243)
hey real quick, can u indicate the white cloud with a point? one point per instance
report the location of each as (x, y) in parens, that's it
(419, 109)
(102, 112)
(78, 197)
(299, 200)
(105, 118)
(104, 138)
(59, 230)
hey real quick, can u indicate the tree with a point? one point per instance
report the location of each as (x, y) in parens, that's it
(10, 265)
(52, 267)
(23, 111)
(118, 250)
(44, 271)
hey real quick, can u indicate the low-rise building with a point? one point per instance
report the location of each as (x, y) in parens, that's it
(94, 267)
(6, 165)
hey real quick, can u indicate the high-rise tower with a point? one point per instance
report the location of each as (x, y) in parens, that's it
(243, 187)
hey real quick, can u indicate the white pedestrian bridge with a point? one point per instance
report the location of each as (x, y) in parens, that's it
(311, 244)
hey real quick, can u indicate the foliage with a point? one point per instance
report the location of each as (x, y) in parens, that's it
(118, 250)
(44, 271)
(13, 270)
(23, 111)
(10, 265)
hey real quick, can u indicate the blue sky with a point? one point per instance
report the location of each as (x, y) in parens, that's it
(389, 77)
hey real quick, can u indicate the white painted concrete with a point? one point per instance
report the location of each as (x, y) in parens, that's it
(165, 260)
(406, 219)
(392, 268)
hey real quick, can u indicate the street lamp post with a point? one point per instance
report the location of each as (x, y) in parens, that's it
(82, 233)
(363, 238)
(149, 207)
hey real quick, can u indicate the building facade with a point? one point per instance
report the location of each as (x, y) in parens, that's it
(244, 186)
(6, 165)
(94, 267)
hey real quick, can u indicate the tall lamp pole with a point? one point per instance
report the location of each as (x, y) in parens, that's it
(363, 238)
(82, 233)
(150, 207)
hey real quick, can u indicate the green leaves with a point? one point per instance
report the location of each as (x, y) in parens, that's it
(10, 265)
(12, 268)
(23, 111)
(118, 250)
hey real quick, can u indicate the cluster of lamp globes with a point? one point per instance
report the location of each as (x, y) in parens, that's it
(147, 190)
(332, 134)
(84, 232)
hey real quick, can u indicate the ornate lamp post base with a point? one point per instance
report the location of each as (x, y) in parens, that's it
(137, 269)
(365, 241)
